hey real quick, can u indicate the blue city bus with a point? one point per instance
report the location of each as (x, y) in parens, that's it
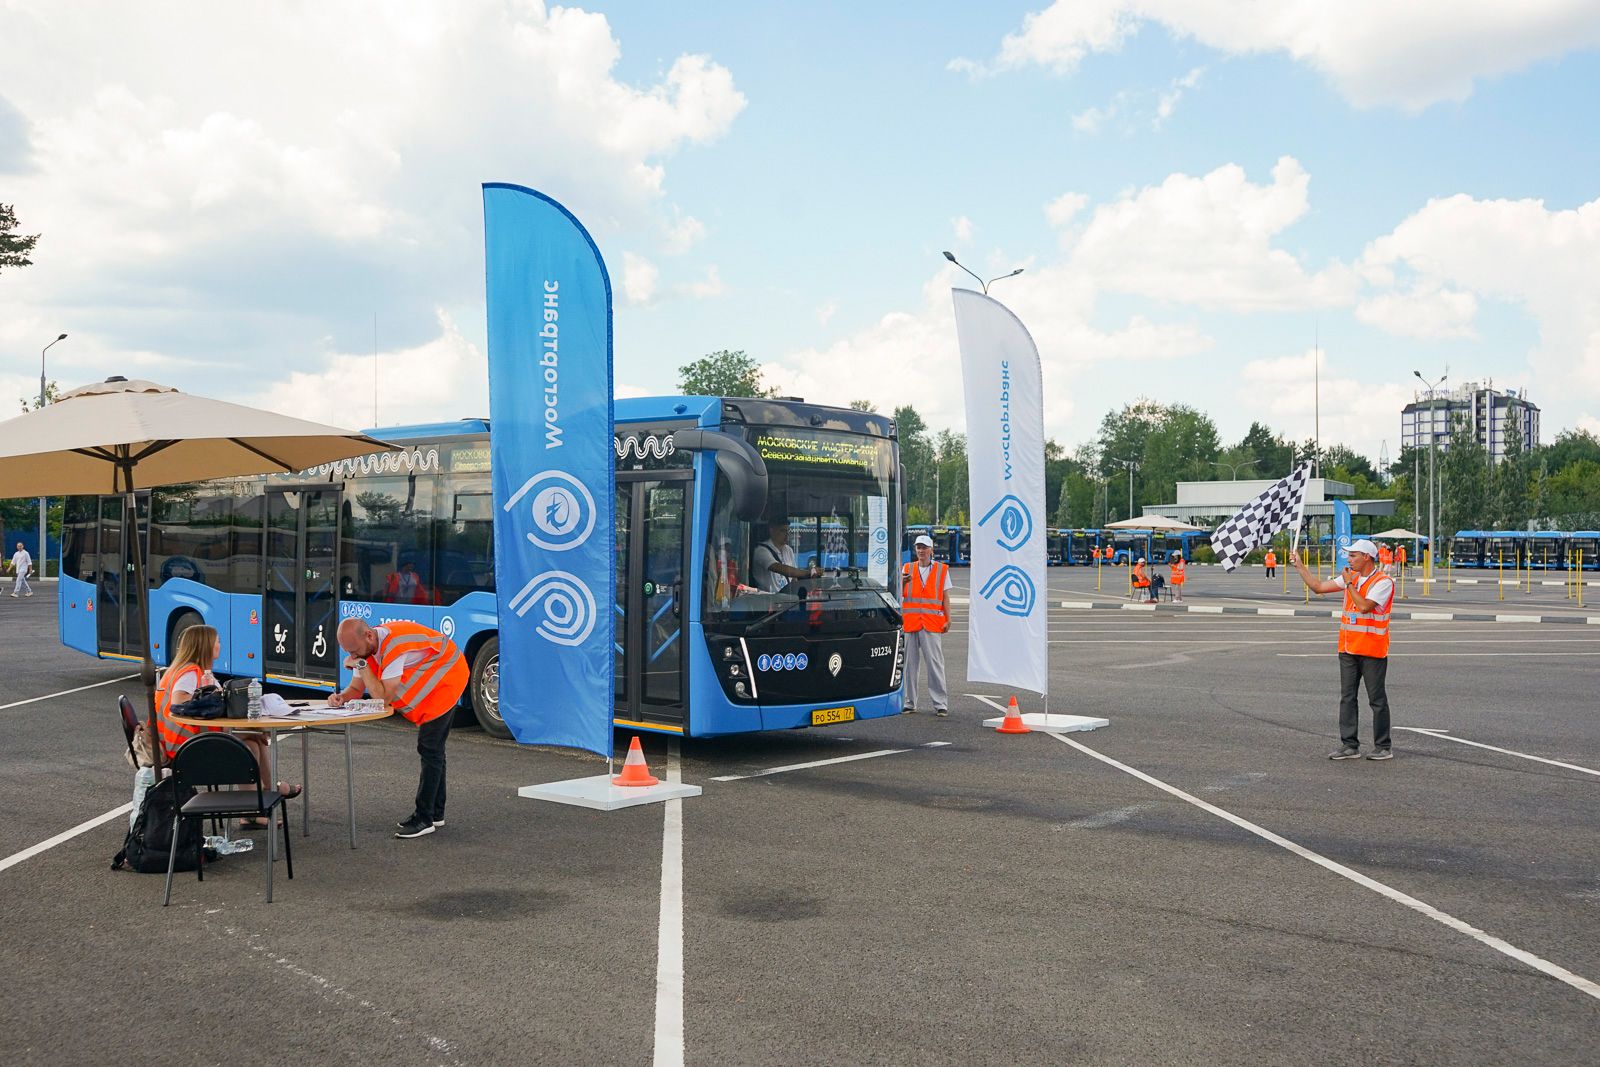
(1468, 547)
(1546, 549)
(1586, 542)
(703, 648)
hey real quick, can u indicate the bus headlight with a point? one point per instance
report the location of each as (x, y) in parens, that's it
(739, 688)
(734, 670)
(727, 651)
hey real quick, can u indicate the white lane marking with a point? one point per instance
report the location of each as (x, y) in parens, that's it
(1518, 618)
(1444, 735)
(64, 692)
(669, 937)
(65, 835)
(824, 762)
(1576, 981)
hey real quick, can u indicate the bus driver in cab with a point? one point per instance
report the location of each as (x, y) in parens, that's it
(773, 563)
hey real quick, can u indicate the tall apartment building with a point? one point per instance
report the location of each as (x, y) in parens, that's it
(1486, 410)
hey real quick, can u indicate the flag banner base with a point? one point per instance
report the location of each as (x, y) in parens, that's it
(1053, 724)
(598, 793)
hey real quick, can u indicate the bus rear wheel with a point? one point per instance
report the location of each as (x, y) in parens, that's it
(484, 689)
(186, 620)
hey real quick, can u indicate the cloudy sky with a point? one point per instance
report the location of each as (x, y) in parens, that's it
(247, 200)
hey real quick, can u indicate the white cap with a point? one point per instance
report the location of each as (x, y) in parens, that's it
(1177, 555)
(924, 539)
(1141, 559)
(1363, 545)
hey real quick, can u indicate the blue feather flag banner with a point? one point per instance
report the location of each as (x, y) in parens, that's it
(554, 475)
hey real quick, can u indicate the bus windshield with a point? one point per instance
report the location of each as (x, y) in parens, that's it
(829, 503)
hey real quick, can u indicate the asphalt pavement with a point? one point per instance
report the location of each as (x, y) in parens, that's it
(963, 897)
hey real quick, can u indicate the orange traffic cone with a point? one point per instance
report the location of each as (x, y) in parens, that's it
(634, 769)
(1013, 724)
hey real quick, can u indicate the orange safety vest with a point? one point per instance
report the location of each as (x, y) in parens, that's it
(1365, 633)
(1178, 569)
(1140, 580)
(174, 734)
(1385, 556)
(432, 685)
(1272, 559)
(1400, 555)
(922, 602)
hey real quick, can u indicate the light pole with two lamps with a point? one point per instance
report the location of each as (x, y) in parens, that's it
(1433, 434)
(44, 552)
(1233, 468)
(984, 284)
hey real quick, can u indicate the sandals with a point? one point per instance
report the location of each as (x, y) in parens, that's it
(253, 824)
(290, 792)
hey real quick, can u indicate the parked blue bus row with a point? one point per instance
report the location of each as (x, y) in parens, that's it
(1553, 550)
(1065, 547)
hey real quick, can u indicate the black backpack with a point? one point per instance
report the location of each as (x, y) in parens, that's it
(148, 844)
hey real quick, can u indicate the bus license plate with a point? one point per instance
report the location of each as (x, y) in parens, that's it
(825, 716)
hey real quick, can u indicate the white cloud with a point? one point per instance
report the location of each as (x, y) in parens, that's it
(1091, 119)
(826, 312)
(639, 278)
(1518, 252)
(1208, 241)
(1356, 411)
(1589, 423)
(1427, 311)
(445, 378)
(1064, 208)
(961, 229)
(239, 227)
(708, 286)
(1167, 103)
(1374, 51)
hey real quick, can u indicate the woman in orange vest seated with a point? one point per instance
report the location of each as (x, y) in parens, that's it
(1179, 574)
(1141, 579)
(198, 648)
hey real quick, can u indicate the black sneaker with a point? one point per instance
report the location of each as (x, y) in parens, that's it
(436, 823)
(414, 827)
(1381, 753)
(943, 713)
(1346, 753)
(908, 710)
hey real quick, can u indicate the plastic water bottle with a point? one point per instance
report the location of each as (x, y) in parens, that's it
(228, 846)
(254, 704)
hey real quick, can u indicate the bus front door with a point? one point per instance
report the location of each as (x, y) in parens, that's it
(300, 594)
(119, 603)
(652, 591)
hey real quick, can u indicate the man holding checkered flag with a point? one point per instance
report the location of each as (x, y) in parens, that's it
(1279, 508)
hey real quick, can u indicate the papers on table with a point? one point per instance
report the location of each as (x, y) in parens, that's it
(318, 710)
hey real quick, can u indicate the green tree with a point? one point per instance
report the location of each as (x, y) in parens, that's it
(722, 373)
(14, 247)
(1350, 462)
(1274, 455)
(1463, 480)
(861, 405)
(955, 504)
(917, 456)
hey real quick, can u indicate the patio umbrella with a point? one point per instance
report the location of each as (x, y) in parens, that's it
(1400, 533)
(1151, 522)
(121, 436)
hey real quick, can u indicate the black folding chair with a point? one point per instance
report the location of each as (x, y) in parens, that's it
(130, 726)
(207, 761)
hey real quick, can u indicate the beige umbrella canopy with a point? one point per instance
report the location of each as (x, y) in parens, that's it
(1400, 533)
(1151, 522)
(121, 436)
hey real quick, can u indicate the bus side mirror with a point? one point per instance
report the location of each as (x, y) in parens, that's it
(741, 464)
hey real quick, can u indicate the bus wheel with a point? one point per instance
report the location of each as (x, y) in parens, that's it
(184, 621)
(485, 689)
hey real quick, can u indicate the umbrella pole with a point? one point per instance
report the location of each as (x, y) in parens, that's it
(147, 667)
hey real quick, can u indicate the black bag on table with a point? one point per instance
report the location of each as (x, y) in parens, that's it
(207, 702)
(149, 842)
(236, 697)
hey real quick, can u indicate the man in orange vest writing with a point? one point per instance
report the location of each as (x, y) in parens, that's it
(1271, 563)
(421, 674)
(925, 608)
(1363, 644)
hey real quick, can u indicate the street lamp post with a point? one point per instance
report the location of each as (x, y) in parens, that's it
(984, 284)
(44, 554)
(936, 492)
(1233, 468)
(1433, 434)
(1130, 464)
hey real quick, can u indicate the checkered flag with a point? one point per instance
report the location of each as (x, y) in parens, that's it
(1279, 508)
